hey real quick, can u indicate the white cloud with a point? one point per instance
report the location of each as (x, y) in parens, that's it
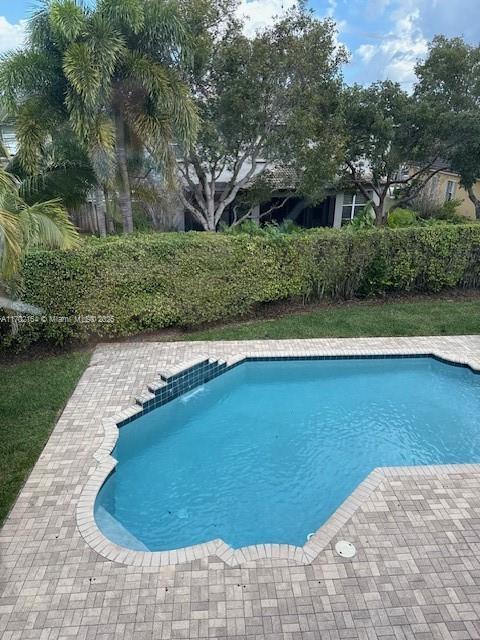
(394, 58)
(259, 14)
(331, 7)
(366, 52)
(11, 35)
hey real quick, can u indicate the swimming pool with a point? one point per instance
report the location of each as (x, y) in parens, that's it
(267, 451)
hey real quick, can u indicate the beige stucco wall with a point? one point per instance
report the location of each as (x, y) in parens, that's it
(466, 207)
(436, 190)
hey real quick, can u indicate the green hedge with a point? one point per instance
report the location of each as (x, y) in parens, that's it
(184, 279)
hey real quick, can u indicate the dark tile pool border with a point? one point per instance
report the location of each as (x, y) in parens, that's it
(171, 384)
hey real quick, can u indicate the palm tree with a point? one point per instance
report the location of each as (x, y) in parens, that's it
(112, 73)
(22, 227)
(63, 171)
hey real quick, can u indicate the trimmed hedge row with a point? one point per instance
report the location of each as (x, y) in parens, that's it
(184, 279)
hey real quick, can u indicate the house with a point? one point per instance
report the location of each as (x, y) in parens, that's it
(283, 205)
(338, 208)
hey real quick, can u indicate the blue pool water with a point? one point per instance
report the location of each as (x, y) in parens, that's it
(267, 451)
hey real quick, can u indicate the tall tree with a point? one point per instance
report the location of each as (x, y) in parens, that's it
(449, 79)
(392, 146)
(259, 99)
(111, 72)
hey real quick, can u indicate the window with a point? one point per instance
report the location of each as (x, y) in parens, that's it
(450, 192)
(7, 136)
(353, 203)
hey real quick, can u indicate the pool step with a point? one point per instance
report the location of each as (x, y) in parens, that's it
(156, 386)
(179, 379)
(115, 531)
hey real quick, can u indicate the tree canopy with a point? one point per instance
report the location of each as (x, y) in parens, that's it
(260, 100)
(392, 147)
(112, 73)
(449, 81)
(179, 86)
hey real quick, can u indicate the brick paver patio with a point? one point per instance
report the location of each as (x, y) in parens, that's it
(416, 573)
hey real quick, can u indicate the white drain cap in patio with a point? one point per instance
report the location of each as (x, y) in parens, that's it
(345, 549)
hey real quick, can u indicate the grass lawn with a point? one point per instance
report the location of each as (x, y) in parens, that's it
(425, 317)
(34, 392)
(33, 395)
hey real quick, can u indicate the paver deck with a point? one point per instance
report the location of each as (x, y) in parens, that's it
(416, 573)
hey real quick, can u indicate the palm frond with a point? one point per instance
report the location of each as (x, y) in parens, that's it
(64, 171)
(184, 113)
(101, 148)
(106, 43)
(156, 129)
(46, 225)
(43, 224)
(79, 115)
(10, 243)
(39, 35)
(10, 231)
(103, 133)
(24, 73)
(7, 183)
(82, 72)
(168, 96)
(72, 179)
(34, 121)
(145, 192)
(123, 13)
(153, 77)
(67, 19)
(163, 32)
(156, 134)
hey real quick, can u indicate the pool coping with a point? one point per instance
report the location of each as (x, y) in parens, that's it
(184, 377)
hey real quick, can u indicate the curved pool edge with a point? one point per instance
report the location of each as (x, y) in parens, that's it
(93, 536)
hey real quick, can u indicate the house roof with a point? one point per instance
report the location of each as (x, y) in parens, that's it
(281, 177)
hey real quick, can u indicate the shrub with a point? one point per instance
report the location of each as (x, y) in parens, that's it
(253, 228)
(401, 218)
(151, 281)
(448, 213)
(250, 227)
(434, 212)
(365, 219)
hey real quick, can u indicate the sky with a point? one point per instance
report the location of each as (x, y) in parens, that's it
(384, 38)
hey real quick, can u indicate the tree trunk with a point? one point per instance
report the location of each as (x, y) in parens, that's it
(208, 223)
(124, 193)
(101, 212)
(108, 213)
(378, 209)
(475, 201)
(93, 217)
(211, 212)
